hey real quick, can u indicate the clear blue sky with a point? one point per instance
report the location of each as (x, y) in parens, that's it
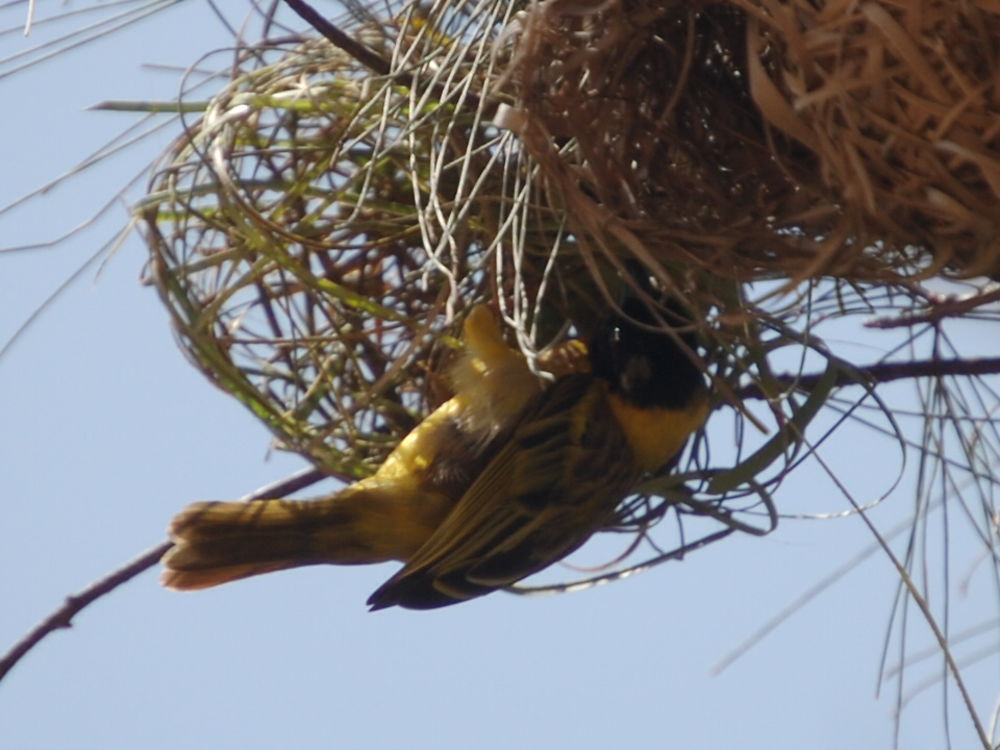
(106, 431)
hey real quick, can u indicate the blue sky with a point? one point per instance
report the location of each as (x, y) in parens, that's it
(107, 431)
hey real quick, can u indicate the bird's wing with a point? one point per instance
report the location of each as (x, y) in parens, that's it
(558, 479)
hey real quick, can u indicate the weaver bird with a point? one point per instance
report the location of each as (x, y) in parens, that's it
(498, 483)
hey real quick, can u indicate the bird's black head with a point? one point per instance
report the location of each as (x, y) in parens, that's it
(647, 367)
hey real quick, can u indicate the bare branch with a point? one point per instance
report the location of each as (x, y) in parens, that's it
(338, 38)
(884, 372)
(63, 616)
(940, 307)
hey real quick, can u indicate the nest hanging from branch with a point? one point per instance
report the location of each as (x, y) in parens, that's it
(318, 233)
(789, 138)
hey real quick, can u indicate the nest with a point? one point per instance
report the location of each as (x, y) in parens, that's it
(316, 232)
(319, 232)
(286, 244)
(791, 138)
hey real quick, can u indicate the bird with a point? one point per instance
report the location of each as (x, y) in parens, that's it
(506, 478)
(388, 515)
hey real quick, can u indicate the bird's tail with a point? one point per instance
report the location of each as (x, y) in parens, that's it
(217, 542)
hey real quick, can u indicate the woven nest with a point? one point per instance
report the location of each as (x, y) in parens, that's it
(319, 232)
(788, 137)
(287, 245)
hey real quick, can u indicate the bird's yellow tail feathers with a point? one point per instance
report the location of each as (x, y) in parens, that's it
(217, 542)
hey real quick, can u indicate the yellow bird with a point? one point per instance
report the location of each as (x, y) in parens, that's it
(498, 483)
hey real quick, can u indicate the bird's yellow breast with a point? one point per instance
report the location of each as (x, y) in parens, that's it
(656, 434)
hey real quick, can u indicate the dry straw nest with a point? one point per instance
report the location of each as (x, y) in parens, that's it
(319, 231)
(857, 140)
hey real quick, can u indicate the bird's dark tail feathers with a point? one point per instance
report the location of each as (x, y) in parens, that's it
(217, 542)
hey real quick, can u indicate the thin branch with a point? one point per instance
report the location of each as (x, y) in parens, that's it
(363, 54)
(884, 372)
(940, 307)
(338, 38)
(63, 616)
